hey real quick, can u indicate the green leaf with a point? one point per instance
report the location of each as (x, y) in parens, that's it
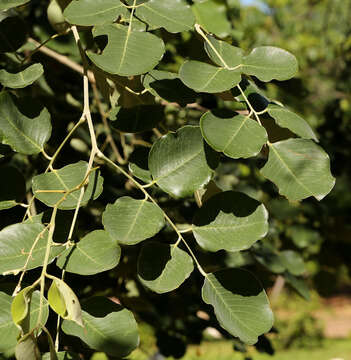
(20, 308)
(23, 134)
(173, 15)
(138, 118)
(298, 284)
(23, 78)
(107, 327)
(95, 253)
(64, 180)
(27, 348)
(240, 303)
(93, 12)
(268, 63)
(237, 137)
(127, 53)
(212, 16)
(222, 53)
(270, 259)
(8, 4)
(64, 301)
(131, 221)
(9, 332)
(163, 267)
(180, 162)
(304, 237)
(16, 242)
(288, 119)
(169, 87)
(231, 221)
(62, 355)
(12, 187)
(293, 262)
(204, 77)
(299, 168)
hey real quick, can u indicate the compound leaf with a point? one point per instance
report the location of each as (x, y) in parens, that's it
(299, 168)
(240, 303)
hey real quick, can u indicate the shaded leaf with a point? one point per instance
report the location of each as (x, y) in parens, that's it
(107, 327)
(27, 348)
(8, 4)
(131, 221)
(299, 168)
(127, 52)
(16, 242)
(240, 303)
(12, 187)
(287, 119)
(138, 164)
(299, 285)
(173, 15)
(179, 162)
(93, 12)
(64, 301)
(268, 63)
(65, 180)
(163, 267)
(13, 33)
(237, 136)
(20, 308)
(23, 78)
(293, 262)
(95, 253)
(231, 221)
(63, 355)
(23, 134)
(204, 77)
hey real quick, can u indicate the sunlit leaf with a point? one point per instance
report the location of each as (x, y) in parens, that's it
(237, 137)
(22, 78)
(240, 303)
(131, 221)
(23, 134)
(163, 267)
(299, 168)
(127, 52)
(231, 221)
(107, 327)
(95, 253)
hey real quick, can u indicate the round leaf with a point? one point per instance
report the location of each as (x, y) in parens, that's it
(299, 168)
(93, 254)
(23, 78)
(268, 63)
(173, 15)
(204, 77)
(179, 162)
(291, 121)
(237, 137)
(131, 221)
(231, 221)
(107, 327)
(240, 303)
(52, 187)
(163, 267)
(127, 53)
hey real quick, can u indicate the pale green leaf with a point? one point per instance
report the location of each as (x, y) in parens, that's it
(20, 308)
(8, 4)
(127, 53)
(16, 242)
(204, 77)
(8, 330)
(237, 137)
(299, 168)
(222, 53)
(12, 187)
(268, 63)
(53, 187)
(212, 16)
(287, 119)
(107, 327)
(173, 15)
(240, 303)
(95, 253)
(27, 348)
(131, 221)
(231, 221)
(23, 134)
(23, 78)
(64, 301)
(180, 163)
(293, 262)
(93, 12)
(163, 267)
